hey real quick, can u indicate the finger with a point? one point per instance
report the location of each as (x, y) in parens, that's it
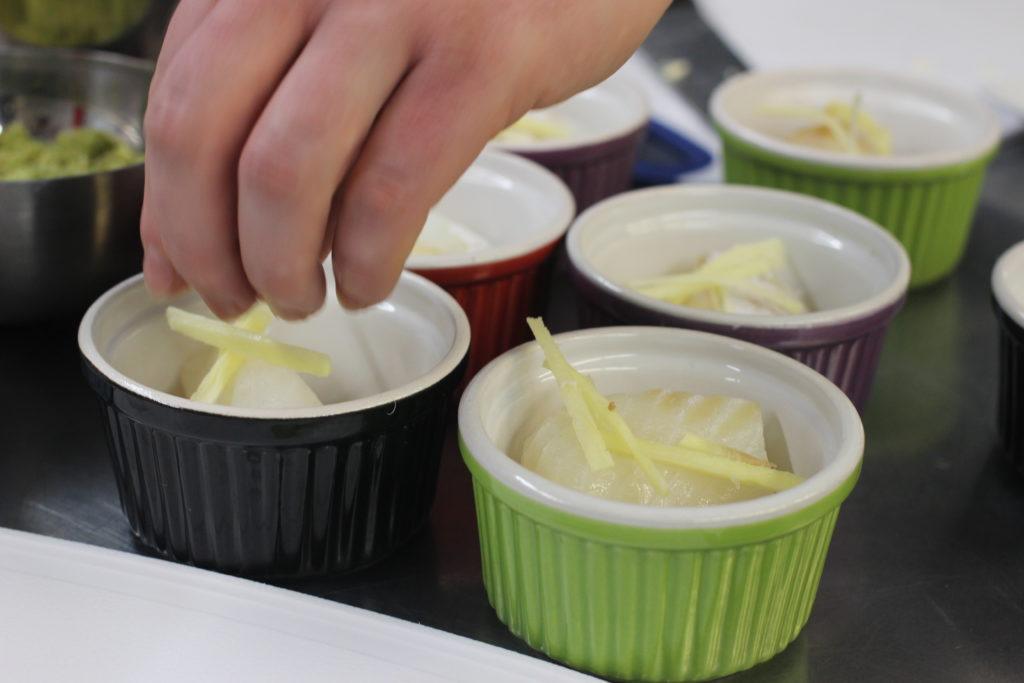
(429, 133)
(161, 277)
(159, 273)
(299, 149)
(188, 15)
(197, 120)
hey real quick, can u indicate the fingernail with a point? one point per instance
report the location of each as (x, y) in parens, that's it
(296, 304)
(285, 312)
(159, 273)
(356, 293)
(228, 309)
(347, 302)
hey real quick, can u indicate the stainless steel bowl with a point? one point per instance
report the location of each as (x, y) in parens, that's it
(65, 240)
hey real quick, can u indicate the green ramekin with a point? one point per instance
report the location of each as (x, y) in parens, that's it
(658, 594)
(925, 193)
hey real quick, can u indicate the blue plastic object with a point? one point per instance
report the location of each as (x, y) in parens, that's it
(665, 155)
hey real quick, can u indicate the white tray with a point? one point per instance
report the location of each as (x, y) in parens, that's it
(72, 612)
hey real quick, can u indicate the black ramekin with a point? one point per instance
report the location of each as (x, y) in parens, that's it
(281, 493)
(1008, 301)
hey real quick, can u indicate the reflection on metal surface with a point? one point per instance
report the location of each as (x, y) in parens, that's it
(926, 334)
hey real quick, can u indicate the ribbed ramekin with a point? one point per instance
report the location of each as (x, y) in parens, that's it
(523, 211)
(925, 193)
(1008, 298)
(855, 272)
(606, 125)
(279, 492)
(652, 593)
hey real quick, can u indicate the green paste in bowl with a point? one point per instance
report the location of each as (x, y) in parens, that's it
(76, 151)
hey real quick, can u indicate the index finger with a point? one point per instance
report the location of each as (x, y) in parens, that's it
(430, 132)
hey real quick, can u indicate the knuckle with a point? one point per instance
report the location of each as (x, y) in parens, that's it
(308, 125)
(384, 190)
(168, 125)
(270, 169)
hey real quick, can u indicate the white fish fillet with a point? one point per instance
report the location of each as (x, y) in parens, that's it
(261, 385)
(554, 452)
(256, 384)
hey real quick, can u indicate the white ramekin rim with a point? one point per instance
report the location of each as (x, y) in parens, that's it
(1009, 265)
(451, 360)
(987, 141)
(556, 195)
(620, 90)
(542, 490)
(887, 296)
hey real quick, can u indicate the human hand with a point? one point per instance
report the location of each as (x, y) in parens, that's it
(279, 131)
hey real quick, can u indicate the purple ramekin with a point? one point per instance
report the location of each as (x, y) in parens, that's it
(855, 271)
(606, 125)
(1008, 300)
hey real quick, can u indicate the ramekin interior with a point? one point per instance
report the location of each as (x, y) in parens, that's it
(806, 416)
(379, 355)
(517, 205)
(1008, 283)
(848, 265)
(610, 109)
(931, 125)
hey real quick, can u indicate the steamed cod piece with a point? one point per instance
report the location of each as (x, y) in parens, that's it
(775, 291)
(624, 448)
(254, 384)
(442, 235)
(242, 367)
(667, 417)
(752, 278)
(261, 385)
(839, 127)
